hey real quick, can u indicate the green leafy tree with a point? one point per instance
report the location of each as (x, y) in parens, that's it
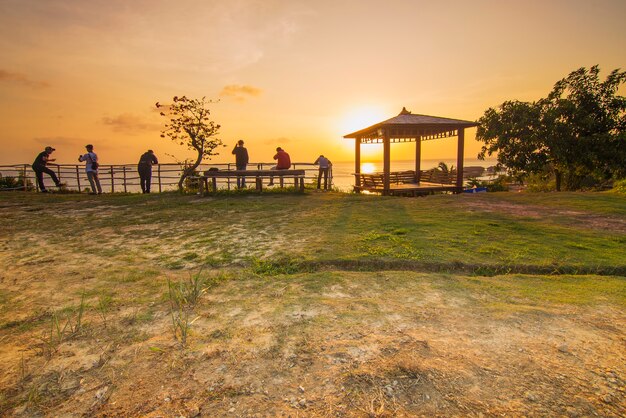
(578, 131)
(190, 124)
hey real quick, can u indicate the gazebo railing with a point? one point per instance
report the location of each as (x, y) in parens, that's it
(125, 178)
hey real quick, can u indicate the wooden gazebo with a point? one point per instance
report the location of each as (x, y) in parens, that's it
(408, 127)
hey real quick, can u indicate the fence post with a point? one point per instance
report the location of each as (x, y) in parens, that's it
(112, 181)
(78, 179)
(24, 180)
(159, 173)
(59, 172)
(330, 177)
(124, 170)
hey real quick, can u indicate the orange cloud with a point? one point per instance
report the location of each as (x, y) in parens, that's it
(22, 79)
(129, 123)
(240, 93)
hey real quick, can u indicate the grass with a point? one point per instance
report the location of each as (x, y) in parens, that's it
(437, 229)
(282, 288)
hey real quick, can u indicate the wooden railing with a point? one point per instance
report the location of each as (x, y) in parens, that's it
(376, 180)
(124, 177)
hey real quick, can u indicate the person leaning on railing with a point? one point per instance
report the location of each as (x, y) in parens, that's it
(39, 167)
(144, 168)
(324, 166)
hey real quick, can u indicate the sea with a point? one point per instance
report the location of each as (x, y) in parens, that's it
(343, 172)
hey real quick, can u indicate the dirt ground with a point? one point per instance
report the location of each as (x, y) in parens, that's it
(327, 344)
(86, 329)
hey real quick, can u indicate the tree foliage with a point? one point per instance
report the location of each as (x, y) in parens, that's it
(190, 124)
(577, 131)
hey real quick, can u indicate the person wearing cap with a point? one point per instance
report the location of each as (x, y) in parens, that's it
(91, 167)
(324, 167)
(283, 162)
(144, 167)
(39, 167)
(241, 161)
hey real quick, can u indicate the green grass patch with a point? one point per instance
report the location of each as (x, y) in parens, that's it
(177, 232)
(539, 290)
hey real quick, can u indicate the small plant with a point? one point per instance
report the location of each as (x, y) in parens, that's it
(183, 297)
(23, 369)
(73, 326)
(33, 397)
(104, 303)
(52, 341)
(179, 313)
(77, 327)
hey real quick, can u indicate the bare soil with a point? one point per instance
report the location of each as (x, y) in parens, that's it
(319, 344)
(359, 344)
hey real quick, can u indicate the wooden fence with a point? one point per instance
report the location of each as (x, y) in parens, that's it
(124, 177)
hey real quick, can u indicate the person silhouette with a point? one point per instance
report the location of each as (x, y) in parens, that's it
(283, 162)
(144, 168)
(39, 167)
(91, 167)
(241, 161)
(324, 167)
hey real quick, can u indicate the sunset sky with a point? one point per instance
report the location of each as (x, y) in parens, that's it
(289, 73)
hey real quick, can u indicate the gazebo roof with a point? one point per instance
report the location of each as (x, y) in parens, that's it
(409, 126)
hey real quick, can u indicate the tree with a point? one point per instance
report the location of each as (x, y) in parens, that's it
(443, 167)
(579, 130)
(190, 125)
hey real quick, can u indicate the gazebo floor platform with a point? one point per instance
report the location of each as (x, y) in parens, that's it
(412, 189)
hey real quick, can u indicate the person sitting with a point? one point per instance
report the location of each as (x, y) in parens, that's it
(283, 162)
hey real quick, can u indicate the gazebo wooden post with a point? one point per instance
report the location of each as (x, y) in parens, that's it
(357, 165)
(418, 158)
(386, 162)
(459, 158)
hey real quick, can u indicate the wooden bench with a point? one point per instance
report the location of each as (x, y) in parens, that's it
(404, 182)
(258, 175)
(438, 176)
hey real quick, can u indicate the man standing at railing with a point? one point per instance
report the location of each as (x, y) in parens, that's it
(39, 167)
(91, 167)
(324, 166)
(144, 167)
(241, 161)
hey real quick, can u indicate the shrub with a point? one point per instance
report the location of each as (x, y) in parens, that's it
(619, 186)
(540, 182)
(13, 183)
(500, 184)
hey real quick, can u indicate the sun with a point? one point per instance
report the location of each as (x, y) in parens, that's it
(362, 117)
(368, 168)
